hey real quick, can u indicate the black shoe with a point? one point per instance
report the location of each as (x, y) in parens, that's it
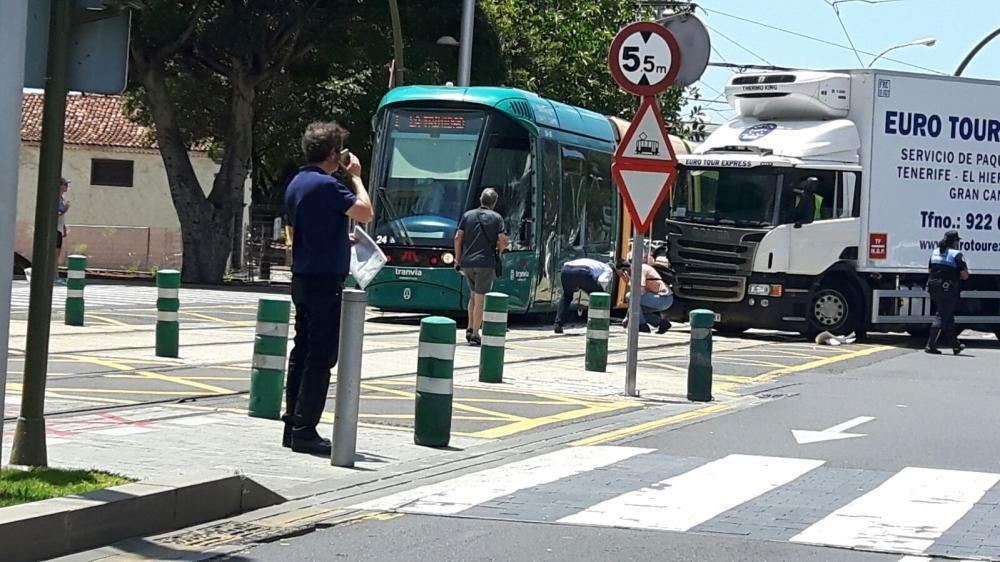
(558, 328)
(664, 326)
(286, 434)
(312, 445)
(475, 341)
(932, 350)
(644, 328)
(468, 335)
(957, 348)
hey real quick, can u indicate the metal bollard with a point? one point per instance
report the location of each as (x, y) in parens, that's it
(699, 387)
(345, 414)
(76, 276)
(598, 324)
(494, 338)
(168, 304)
(267, 375)
(435, 372)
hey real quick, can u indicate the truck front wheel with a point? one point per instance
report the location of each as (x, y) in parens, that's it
(832, 310)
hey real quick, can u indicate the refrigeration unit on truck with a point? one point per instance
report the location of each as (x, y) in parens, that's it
(894, 161)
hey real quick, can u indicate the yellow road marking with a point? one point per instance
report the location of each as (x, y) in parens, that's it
(528, 424)
(188, 378)
(105, 319)
(240, 323)
(149, 374)
(649, 426)
(410, 417)
(121, 391)
(455, 404)
(820, 363)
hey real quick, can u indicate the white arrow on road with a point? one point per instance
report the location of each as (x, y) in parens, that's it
(805, 436)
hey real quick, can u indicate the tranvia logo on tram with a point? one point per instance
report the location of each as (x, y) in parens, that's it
(758, 131)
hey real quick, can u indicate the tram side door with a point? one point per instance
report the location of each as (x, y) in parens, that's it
(548, 232)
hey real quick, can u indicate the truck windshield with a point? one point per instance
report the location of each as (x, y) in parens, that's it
(427, 158)
(731, 196)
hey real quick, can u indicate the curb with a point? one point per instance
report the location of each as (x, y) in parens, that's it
(61, 526)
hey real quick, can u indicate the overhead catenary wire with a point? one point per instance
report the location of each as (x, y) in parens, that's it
(811, 38)
(843, 26)
(734, 42)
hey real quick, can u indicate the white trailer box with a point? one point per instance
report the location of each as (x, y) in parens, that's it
(932, 165)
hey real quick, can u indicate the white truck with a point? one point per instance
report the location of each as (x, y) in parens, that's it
(897, 160)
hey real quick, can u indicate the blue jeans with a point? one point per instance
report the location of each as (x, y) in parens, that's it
(652, 305)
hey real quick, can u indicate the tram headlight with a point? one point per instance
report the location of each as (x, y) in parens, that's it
(447, 258)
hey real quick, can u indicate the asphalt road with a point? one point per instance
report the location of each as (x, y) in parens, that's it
(894, 460)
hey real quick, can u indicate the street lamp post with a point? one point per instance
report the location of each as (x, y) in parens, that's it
(968, 58)
(465, 43)
(926, 42)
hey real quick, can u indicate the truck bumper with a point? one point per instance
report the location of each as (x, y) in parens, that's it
(786, 313)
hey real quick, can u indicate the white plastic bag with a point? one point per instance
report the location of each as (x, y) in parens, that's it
(367, 258)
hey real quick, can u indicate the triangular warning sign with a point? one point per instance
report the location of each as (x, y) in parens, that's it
(646, 138)
(643, 191)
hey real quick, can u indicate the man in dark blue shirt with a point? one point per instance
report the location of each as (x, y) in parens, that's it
(320, 208)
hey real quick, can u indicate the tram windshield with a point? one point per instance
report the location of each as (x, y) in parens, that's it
(428, 159)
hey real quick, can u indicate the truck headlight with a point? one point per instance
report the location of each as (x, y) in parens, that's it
(765, 290)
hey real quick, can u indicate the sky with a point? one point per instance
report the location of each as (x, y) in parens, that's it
(873, 27)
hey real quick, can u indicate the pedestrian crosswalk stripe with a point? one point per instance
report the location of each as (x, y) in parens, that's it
(457, 495)
(682, 502)
(907, 513)
(915, 511)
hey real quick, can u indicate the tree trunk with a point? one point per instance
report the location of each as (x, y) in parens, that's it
(206, 223)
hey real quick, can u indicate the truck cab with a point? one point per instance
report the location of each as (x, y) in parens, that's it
(764, 223)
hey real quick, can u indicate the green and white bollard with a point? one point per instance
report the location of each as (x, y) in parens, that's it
(435, 372)
(267, 376)
(76, 279)
(168, 304)
(699, 383)
(598, 324)
(494, 337)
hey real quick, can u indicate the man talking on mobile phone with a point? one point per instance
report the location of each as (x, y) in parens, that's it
(320, 208)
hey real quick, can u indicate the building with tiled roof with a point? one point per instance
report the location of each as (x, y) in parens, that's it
(121, 213)
(90, 121)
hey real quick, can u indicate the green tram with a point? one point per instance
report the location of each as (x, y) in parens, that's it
(436, 148)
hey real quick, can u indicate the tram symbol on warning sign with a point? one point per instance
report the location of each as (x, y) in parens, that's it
(646, 146)
(644, 166)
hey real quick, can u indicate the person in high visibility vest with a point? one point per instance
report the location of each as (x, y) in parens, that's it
(807, 190)
(947, 270)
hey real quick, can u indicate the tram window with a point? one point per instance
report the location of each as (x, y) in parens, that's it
(600, 194)
(551, 184)
(572, 223)
(586, 200)
(508, 170)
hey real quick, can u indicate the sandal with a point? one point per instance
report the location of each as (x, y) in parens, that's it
(475, 341)
(468, 335)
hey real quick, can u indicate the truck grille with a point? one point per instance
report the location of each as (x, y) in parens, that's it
(716, 288)
(712, 264)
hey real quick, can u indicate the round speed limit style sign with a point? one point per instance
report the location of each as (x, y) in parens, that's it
(644, 58)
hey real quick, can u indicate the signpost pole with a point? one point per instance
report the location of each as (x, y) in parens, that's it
(29, 437)
(634, 315)
(13, 29)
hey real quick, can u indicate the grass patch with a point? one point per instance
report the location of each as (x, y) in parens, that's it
(23, 486)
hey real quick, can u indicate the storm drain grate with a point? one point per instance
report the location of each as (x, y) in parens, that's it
(230, 532)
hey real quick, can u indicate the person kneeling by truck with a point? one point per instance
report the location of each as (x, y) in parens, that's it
(655, 296)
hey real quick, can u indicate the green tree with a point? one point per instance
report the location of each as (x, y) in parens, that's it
(199, 66)
(559, 49)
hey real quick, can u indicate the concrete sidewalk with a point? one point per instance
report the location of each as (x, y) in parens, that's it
(114, 405)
